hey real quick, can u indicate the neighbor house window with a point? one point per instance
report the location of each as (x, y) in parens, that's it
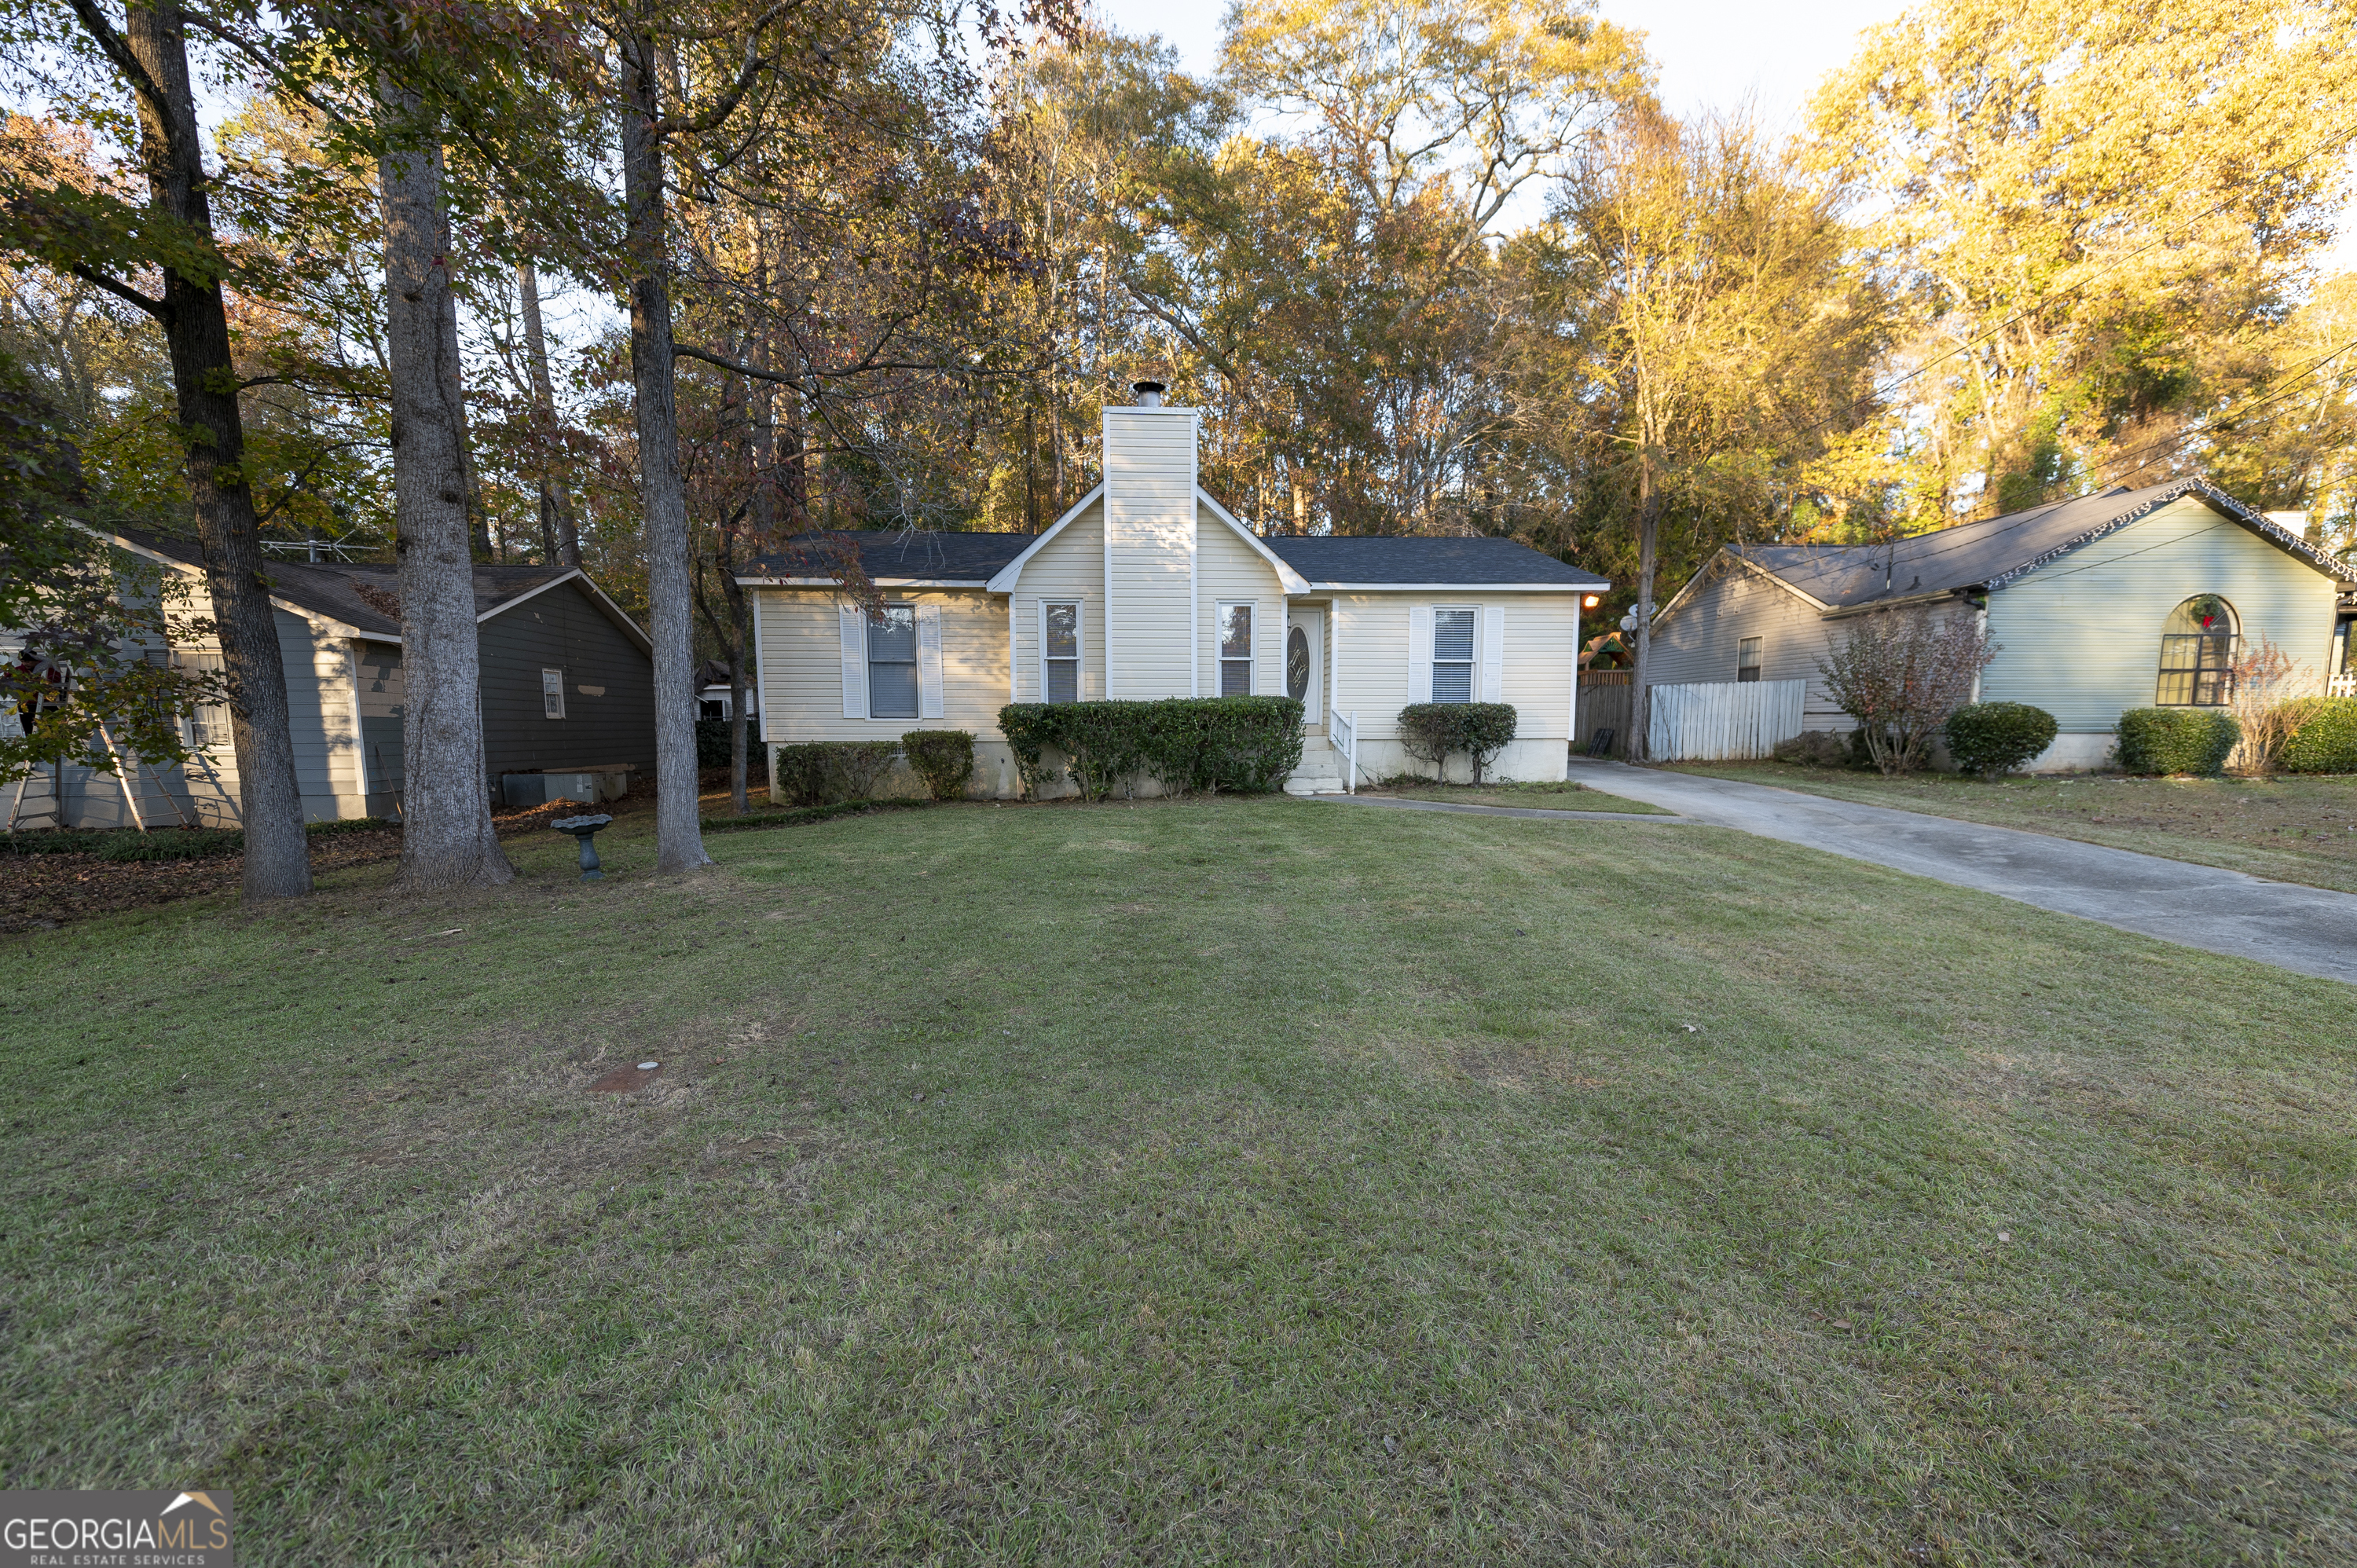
(552, 692)
(1747, 659)
(1059, 652)
(1452, 655)
(2196, 654)
(1235, 650)
(892, 664)
(208, 722)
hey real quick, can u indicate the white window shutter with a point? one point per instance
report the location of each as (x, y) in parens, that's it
(853, 621)
(928, 662)
(1420, 653)
(1493, 654)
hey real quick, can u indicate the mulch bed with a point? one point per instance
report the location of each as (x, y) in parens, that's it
(41, 892)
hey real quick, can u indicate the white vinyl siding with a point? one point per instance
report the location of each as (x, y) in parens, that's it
(1149, 553)
(1070, 570)
(806, 684)
(2081, 636)
(1229, 571)
(1379, 644)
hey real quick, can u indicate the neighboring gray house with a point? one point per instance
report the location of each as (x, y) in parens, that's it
(567, 683)
(2126, 599)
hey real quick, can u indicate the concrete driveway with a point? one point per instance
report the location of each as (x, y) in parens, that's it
(2307, 929)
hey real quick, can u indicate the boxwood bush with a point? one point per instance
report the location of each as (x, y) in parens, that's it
(2177, 740)
(1248, 745)
(2323, 738)
(943, 758)
(1990, 738)
(1432, 732)
(821, 772)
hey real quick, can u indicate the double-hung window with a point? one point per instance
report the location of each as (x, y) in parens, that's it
(892, 664)
(1747, 659)
(1452, 655)
(1059, 652)
(1235, 623)
(208, 721)
(552, 693)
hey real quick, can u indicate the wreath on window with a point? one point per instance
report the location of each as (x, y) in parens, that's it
(2208, 609)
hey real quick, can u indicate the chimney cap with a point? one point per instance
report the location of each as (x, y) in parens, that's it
(1149, 394)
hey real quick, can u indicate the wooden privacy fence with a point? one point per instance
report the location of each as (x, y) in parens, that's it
(1604, 697)
(1722, 721)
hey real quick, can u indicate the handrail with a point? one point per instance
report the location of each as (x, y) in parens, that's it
(1343, 735)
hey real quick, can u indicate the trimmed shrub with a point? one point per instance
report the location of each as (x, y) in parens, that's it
(943, 758)
(2177, 740)
(1248, 745)
(1815, 748)
(2323, 736)
(1432, 732)
(164, 844)
(1991, 738)
(821, 772)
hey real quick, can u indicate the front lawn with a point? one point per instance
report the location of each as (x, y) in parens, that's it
(1563, 795)
(1241, 1180)
(2294, 828)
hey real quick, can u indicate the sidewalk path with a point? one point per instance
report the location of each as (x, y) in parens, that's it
(2307, 929)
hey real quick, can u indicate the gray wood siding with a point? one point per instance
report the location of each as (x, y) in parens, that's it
(1697, 641)
(2081, 636)
(563, 628)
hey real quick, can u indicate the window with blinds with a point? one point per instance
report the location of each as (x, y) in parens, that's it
(892, 664)
(1059, 652)
(1235, 650)
(1747, 659)
(1452, 655)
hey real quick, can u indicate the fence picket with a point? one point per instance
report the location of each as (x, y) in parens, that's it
(1724, 721)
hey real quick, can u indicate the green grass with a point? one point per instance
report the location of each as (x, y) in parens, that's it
(1227, 1181)
(1564, 795)
(2291, 828)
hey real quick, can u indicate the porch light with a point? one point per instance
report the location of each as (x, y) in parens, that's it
(1591, 601)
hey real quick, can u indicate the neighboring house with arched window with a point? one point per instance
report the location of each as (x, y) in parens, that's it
(2126, 599)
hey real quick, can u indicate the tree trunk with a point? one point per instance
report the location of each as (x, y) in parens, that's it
(447, 840)
(679, 841)
(204, 378)
(1648, 530)
(560, 535)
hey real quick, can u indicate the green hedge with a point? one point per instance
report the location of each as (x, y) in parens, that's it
(2324, 739)
(2177, 740)
(1997, 737)
(943, 758)
(821, 772)
(1433, 732)
(1248, 745)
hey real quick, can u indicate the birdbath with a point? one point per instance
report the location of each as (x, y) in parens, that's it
(586, 830)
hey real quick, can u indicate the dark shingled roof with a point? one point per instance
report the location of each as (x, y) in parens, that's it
(1995, 550)
(1377, 560)
(896, 555)
(333, 588)
(893, 555)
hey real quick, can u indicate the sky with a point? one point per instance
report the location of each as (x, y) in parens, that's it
(1713, 54)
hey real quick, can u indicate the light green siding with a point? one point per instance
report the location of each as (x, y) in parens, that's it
(2081, 636)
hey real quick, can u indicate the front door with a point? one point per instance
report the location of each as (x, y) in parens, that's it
(1305, 660)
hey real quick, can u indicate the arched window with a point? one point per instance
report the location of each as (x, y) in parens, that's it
(2196, 654)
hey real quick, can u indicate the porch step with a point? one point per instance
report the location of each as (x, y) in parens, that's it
(1320, 772)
